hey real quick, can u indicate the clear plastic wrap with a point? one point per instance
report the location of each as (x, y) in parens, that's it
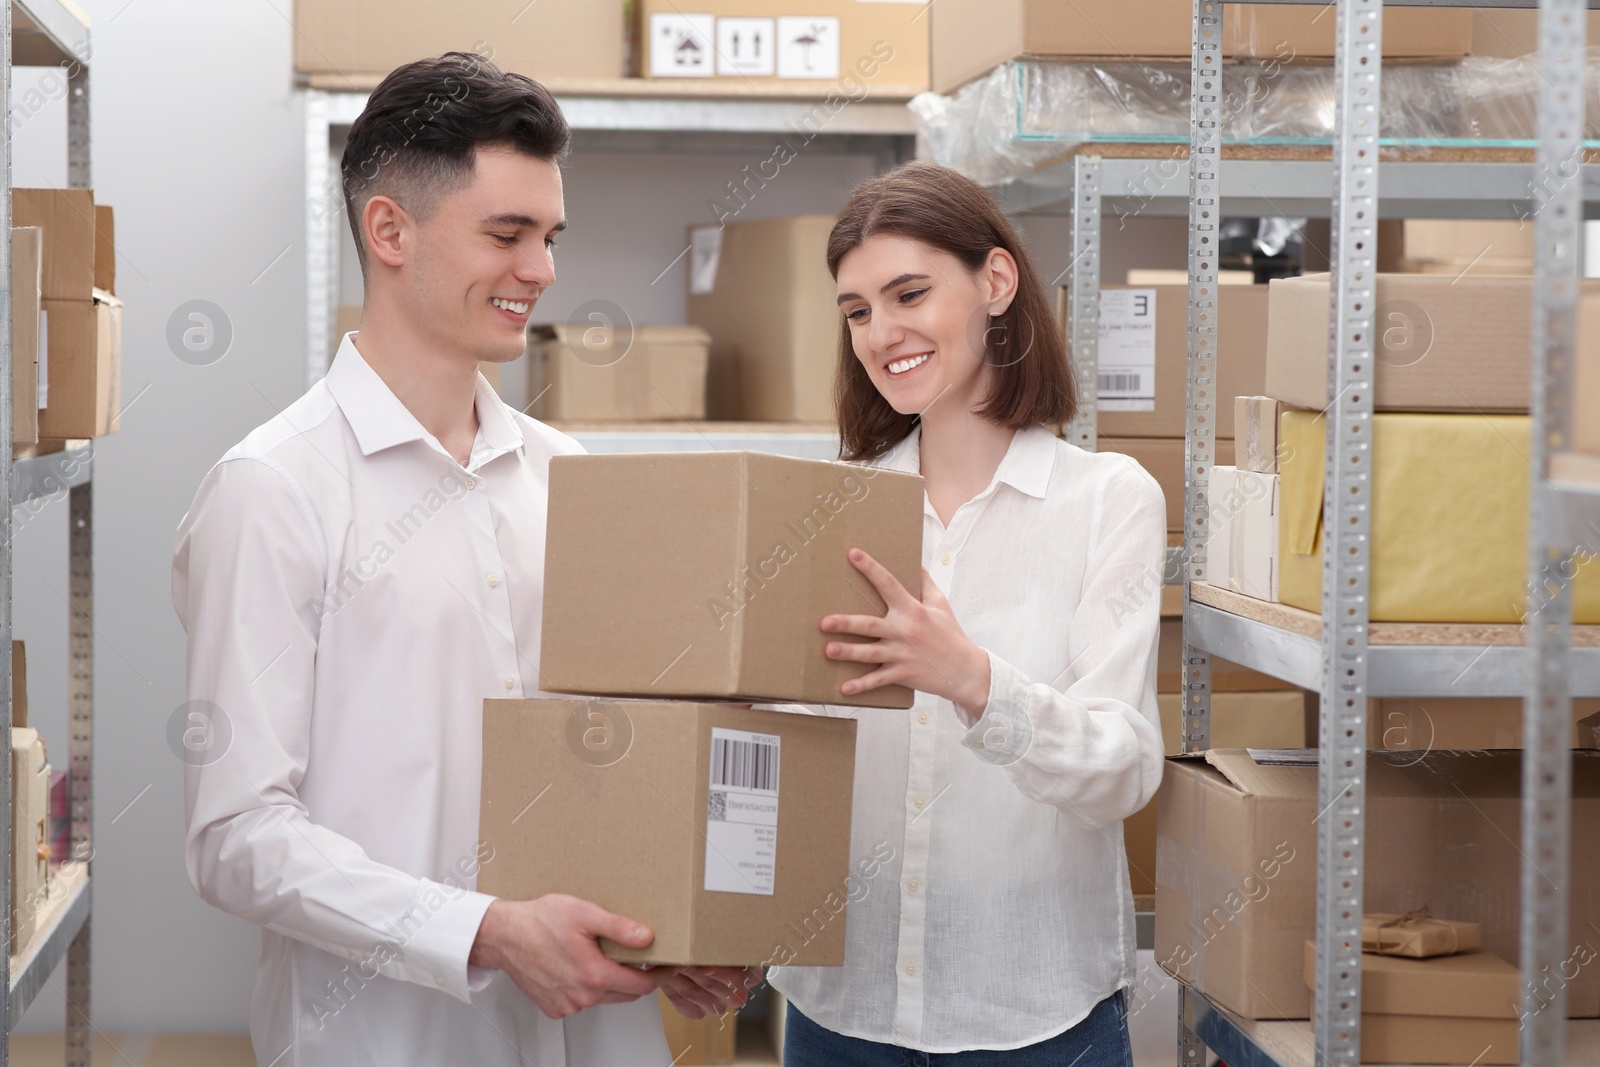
(1028, 113)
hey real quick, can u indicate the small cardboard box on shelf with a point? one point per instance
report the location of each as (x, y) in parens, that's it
(724, 830)
(705, 575)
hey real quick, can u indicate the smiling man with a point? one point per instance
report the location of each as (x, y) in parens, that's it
(355, 577)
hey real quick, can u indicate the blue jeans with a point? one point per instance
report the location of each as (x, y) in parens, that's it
(1100, 1040)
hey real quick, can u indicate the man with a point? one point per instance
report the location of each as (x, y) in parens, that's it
(355, 577)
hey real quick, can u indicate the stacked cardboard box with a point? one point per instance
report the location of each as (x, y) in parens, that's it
(618, 373)
(724, 829)
(1449, 474)
(971, 37)
(1460, 247)
(80, 330)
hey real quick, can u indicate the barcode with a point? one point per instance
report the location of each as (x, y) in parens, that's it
(744, 764)
(1121, 383)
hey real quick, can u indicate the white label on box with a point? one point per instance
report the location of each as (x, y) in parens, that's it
(808, 46)
(680, 45)
(705, 253)
(44, 359)
(1127, 374)
(742, 812)
(746, 46)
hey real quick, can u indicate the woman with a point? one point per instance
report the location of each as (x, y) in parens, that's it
(1001, 931)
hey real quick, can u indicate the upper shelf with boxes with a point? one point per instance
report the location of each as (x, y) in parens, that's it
(738, 48)
(66, 320)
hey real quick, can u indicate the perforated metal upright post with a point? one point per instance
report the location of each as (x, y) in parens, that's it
(322, 238)
(80, 639)
(1341, 780)
(6, 843)
(1546, 720)
(1205, 194)
(1083, 300)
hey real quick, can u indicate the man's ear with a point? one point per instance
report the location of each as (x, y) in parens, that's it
(388, 228)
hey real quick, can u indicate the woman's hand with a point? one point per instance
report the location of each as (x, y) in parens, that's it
(918, 643)
(701, 991)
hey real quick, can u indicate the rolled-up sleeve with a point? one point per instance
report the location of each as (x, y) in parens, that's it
(249, 575)
(1093, 748)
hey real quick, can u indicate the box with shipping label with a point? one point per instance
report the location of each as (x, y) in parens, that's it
(622, 373)
(27, 254)
(1144, 349)
(1460, 1009)
(1163, 458)
(67, 217)
(971, 37)
(1236, 863)
(1442, 343)
(1255, 433)
(1238, 720)
(550, 39)
(724, 830)
(30, 843)
(698, 1042)
(854, 46)
(1427, 724)
(762, 291)
(84, 367)
(1448, 525)
(707, 574)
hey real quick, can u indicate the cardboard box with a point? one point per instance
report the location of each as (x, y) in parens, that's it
(1461, 1009)
(1466, 240)
(698, 1041)
(1510, 33)
(1589, 731)
(1163, 458)
(105, 249)
(19, 684)
(705, 574)
(846, 43)
(971, 37)
(30, 846)
(550, 39)
(1586, 390)
(1242, 551)
(1226, 677)
(85, 367)
(1238, 720)
(1410, 724)
(1445, 344)
(724, 830)
(763, 291)
(647, 372)
(1255, 433)
(1449, 519)
(68, 219)
(1158, 357)
(27, 254)
(1237, 854)
(1418, 936)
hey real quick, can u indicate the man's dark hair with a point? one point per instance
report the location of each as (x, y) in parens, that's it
(418, 136)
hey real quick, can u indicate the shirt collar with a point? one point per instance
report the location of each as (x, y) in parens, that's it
(1026, 466)
(379, 420)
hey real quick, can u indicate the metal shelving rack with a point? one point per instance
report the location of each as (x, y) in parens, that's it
(50, 33)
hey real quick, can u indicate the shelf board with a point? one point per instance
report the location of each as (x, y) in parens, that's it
(63, 914)
(1241, 1042)
(1404, 659)
(637, 88)
(46, 33)
(33, 477)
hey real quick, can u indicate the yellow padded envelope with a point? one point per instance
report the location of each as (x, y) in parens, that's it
(1449, 519)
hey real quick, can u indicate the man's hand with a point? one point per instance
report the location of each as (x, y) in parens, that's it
(549, 947)
(700, 991)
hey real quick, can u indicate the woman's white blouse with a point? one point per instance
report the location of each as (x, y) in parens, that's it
(989, 896)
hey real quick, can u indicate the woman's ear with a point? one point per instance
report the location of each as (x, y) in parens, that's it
(1001, 274)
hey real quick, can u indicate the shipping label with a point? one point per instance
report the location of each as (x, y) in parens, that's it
(742, 812)
(1127, 372)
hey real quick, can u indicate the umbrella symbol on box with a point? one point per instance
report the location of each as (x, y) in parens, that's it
(808, 41)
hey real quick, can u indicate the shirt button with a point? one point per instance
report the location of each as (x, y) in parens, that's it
(511, 682)
(494, 580)
(472, 483)
(912, 885)
(438, 982)
(922, 717)
(911, 968)
(919, 802)
(944, 559)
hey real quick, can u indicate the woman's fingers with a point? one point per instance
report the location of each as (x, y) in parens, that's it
(888, 586)
(860, 625)
(859, 651)
(873, 680)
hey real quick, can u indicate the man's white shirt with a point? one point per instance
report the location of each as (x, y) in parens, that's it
(351, 595)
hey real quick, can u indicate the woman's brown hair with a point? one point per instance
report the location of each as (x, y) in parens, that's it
(949, 211)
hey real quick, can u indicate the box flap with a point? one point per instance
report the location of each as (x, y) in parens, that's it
(1253, 778)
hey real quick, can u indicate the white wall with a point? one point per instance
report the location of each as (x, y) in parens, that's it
(198, 145)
